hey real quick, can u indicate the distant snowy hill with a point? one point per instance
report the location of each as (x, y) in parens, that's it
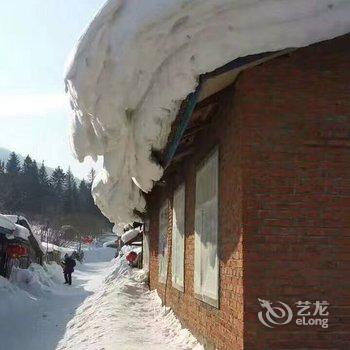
(5, 153)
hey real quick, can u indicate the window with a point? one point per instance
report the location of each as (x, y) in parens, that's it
(206, 269)
(163, 243)
(178, 241)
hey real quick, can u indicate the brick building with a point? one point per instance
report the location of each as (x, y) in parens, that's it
(255, 201)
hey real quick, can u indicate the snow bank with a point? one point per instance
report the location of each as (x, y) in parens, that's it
(108, 307)
(37, 280)
(130, 248)
(12, 299)
(130, 234)
(19, 295)
(123, 314)
(139, 59)
(48, 274)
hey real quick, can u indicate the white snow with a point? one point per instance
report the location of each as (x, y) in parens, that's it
(10, 222)
(21, 232)
(139, 59)
(107, 307)
(50, 247)
(37, 237)
(130, 234)
(6, 223)
(12, 218)
(109, 243)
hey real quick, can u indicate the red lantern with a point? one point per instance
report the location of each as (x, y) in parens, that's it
(16, 251)
(131, 257)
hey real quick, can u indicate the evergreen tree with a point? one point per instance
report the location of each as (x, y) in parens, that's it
(84, 194)
(57, 180)
(45, 195)
(29, 185)
(13, 197)
(3, 185)
(13, 166)
(2, 168)
(27, 165)
(57, 185)
(57, 200)
(34, 171)
(75, 196)
(42, 175)
(68, 200)
(91, 177)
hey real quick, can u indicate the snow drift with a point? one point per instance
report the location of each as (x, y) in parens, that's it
(124, 314)
(139, 59)
(107, 307)
(25, 286)
(37, 280)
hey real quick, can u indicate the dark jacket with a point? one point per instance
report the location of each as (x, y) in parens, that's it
(69, 264)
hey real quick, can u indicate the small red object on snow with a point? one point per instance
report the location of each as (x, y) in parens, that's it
(131, 257)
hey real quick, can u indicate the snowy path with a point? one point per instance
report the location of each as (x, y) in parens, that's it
(106, 308)
(40, 324)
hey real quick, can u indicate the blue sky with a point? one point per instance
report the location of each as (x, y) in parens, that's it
(36, 38)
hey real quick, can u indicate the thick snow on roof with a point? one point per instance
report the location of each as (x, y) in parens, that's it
(14, 218)
(21, 232)
(50, 247)
(130, 235)
(6, 223)
(139, 59)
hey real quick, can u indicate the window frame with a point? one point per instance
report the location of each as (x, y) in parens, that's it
(201, 296)
(175, 284)
(165, 206)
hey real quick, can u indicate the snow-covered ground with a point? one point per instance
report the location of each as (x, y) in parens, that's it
(107, 307)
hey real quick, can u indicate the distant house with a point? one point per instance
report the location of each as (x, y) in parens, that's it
(18, 244)
(254, 202)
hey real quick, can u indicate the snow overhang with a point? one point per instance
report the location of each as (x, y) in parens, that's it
(138, 61)
(130, 236)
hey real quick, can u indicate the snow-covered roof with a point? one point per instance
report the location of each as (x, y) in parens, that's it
(21, 232)
(130, 235)
(109, 243)
(6, 224)
(50, 247)
(12, 218)
(138, 60)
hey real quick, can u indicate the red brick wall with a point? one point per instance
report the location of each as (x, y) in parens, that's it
(295, 113)
(284, 203)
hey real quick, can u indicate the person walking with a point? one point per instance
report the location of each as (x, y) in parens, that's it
(68, 269)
